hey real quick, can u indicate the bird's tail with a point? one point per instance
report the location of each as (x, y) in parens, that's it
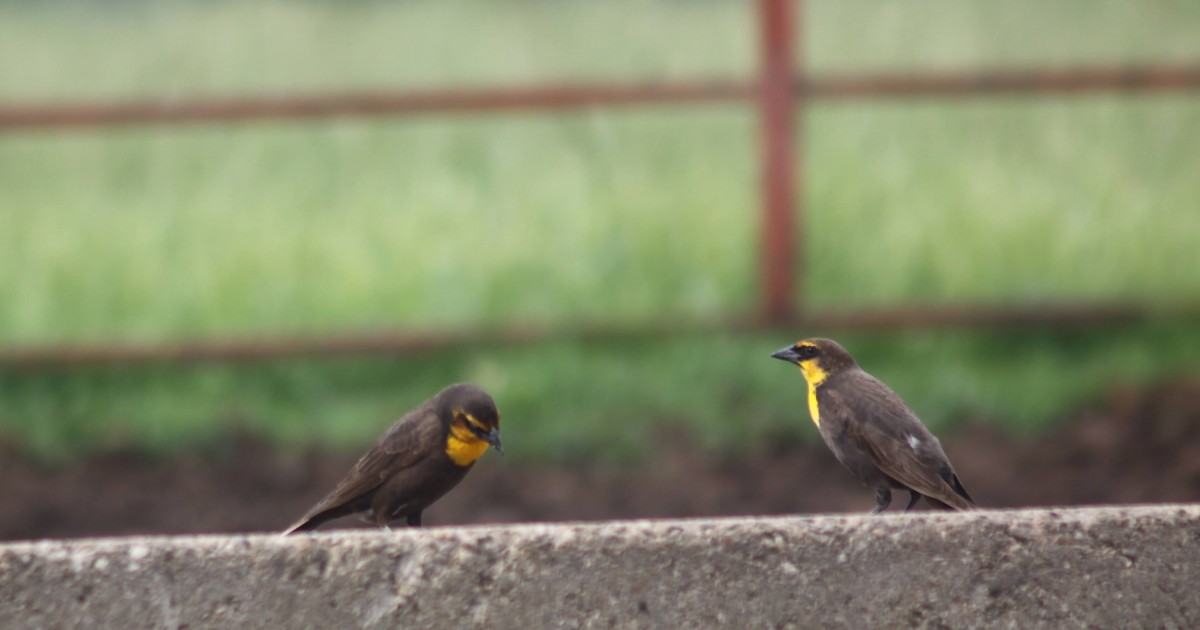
(958, 504)
(958, 499)
(302, 525)
(309, 522)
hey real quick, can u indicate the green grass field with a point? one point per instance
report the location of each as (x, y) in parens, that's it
(273, 229)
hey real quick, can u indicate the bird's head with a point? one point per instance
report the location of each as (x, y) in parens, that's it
(474, 419)
(817, 358)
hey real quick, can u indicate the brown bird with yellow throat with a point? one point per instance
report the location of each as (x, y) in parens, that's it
(871, 431)
(419, 459)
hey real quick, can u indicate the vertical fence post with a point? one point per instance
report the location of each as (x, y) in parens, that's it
(777, 105)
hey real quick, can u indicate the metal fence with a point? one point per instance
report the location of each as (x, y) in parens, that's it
(781, 94)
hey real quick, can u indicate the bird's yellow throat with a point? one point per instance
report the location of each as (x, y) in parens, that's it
(463, 446)
(815, 376)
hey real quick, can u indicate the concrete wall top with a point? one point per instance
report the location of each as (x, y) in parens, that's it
(1097, 567)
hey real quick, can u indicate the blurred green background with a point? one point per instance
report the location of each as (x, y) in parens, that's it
(285, 228)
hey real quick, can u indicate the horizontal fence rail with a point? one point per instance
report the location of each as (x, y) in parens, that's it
(365, 104)
(48, 116)
(1028, 82)
(887, 319)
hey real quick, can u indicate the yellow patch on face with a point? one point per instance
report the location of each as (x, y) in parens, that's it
(463, 446)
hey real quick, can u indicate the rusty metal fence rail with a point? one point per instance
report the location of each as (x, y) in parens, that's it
(52, 116)
(780, 94)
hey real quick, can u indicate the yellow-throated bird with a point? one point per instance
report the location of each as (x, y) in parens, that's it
(419, 459)
(871, 431)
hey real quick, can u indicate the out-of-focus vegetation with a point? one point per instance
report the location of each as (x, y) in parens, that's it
(295, 228)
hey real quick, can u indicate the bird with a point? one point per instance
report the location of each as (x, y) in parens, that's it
(415, 462)
(871, 430)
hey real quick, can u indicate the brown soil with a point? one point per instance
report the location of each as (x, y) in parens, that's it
(1135, 447)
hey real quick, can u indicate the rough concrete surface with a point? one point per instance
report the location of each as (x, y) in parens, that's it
(1093, 567)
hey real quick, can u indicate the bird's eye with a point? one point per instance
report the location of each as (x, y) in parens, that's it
(475, 426)
(807, 352)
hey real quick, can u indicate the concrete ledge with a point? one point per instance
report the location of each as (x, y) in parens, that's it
(1100, 567)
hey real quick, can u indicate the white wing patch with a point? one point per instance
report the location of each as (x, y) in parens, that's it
(913, 442)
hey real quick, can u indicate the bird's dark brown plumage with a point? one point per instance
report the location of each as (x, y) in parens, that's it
(408, 467)
(873, 432)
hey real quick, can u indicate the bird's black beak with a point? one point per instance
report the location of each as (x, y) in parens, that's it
(493, 438)
(787, 354)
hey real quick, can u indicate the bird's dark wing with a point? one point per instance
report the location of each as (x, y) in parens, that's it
(893, 438)
(416, 436)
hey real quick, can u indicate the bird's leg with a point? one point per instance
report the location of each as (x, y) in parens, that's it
(883, 498)
(414, 519)
(913, 497)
